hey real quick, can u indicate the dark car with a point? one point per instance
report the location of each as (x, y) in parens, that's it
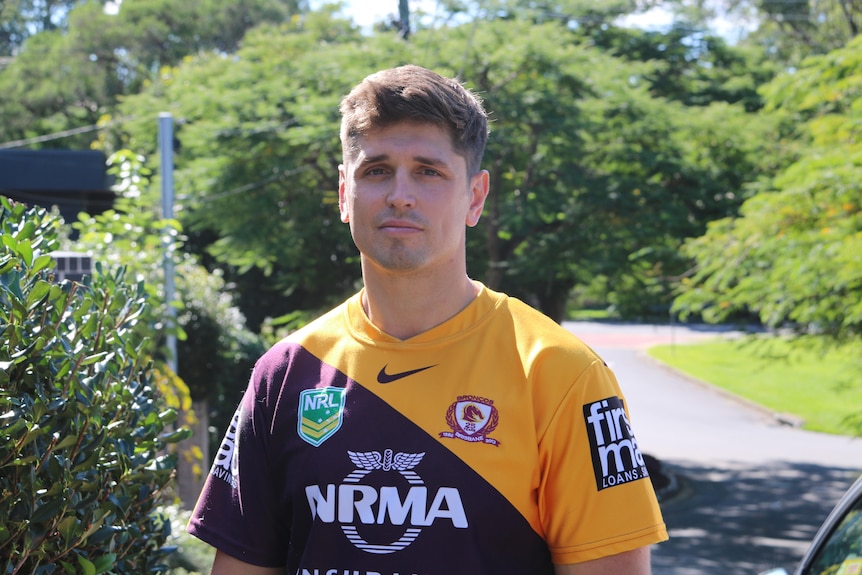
(837, 547)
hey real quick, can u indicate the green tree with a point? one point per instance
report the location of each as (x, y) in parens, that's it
(591, 174)
(71, 76)
(794, 29)
(570, 13)
(20, 19)
(83, 432)
(793, 256)
(571, 198)
(787, 30)
(216, 350)
(691, 65)
(257, 170)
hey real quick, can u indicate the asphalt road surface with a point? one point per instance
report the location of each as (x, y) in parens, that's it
(749, 491)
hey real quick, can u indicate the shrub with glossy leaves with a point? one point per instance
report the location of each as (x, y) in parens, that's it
(83, 433)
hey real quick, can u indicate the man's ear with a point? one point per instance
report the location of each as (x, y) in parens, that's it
(342, 200)
(479, 185)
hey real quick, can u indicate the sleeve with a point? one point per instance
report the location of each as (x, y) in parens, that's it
(235, 511)
(595, 498)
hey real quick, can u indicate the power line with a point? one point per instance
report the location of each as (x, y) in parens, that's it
(60, 135)
(249, 187)
(48, 137)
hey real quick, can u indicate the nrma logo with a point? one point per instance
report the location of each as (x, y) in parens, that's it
(226, 460)
(616, 457)
(359, 507)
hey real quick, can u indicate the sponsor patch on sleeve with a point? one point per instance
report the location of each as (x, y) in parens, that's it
(614, 449)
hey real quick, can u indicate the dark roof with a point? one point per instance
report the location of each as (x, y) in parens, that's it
(53, 171)
(73, 181)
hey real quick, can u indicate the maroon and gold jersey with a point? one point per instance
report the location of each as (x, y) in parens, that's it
(495, 442)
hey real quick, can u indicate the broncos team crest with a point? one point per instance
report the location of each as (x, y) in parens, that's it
(471, 419)
(321, 413)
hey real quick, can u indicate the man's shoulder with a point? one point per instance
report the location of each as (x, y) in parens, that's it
(529, 322)
(328, 325)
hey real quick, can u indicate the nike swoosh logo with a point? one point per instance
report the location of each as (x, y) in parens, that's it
(384, 377)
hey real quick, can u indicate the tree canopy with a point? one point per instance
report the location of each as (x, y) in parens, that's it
(794, 256)
(610, 147)
(583, 144)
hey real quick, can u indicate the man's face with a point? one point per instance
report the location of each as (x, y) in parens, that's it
(408, 200)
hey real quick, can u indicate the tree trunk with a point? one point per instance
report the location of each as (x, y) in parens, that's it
(553, 299)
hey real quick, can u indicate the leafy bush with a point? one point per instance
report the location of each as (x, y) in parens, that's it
(83, 436)
(192, 556)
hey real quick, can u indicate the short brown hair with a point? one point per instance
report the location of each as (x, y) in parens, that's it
(415, 94)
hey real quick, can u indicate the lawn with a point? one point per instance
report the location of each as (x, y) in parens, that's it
(824, 389)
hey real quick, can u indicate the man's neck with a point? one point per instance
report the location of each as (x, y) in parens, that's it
(404, 307)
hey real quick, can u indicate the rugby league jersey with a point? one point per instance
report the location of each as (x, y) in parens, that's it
(495, 443)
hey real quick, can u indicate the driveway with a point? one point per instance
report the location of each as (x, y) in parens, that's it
(751, 490)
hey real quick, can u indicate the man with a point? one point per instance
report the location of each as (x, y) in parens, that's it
(428, 425)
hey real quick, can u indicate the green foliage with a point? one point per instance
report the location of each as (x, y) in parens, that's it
(19, 19)
(133, 235)
(215, 349)
(72, 74)
(792, 30)
(83, 434)
(689, 65)
(572, 13)
(593, 171)
(590, 172)
(216, 356)
(257, 168)
(794, 256)
(192, 555)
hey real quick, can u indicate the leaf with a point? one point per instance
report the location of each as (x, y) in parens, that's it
(69, 528)
(42, 262)
(105, 562)
(11, 431)
(25, 251)
(176, 436)
(7, 263)
(38, 294)
(26, 231)
(47, 511)
(168, 416)
(67, 441)
(86, 565)
(10, 242)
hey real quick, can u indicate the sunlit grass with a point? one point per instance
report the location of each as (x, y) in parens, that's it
(823, 388)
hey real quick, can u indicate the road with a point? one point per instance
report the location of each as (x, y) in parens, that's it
(752, 491)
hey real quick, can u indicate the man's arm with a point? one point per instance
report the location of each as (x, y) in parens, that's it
(224, 564)
(634, 562)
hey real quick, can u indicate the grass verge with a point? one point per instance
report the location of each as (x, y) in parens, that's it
(821, 386)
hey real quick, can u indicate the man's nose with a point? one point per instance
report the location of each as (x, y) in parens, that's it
(401, 194)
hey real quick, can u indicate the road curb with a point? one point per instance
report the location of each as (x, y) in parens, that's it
(787, 419)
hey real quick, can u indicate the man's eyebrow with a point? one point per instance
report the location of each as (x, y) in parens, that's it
(431, 161)
(421, 159)
(373, 159)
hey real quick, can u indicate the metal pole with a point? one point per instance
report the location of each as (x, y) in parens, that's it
(166, 151)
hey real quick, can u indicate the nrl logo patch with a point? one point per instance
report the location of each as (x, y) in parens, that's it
(320, 414)
(472, 419)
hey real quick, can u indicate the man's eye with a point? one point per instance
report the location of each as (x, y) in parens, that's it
(430, 172)
(375, 171)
